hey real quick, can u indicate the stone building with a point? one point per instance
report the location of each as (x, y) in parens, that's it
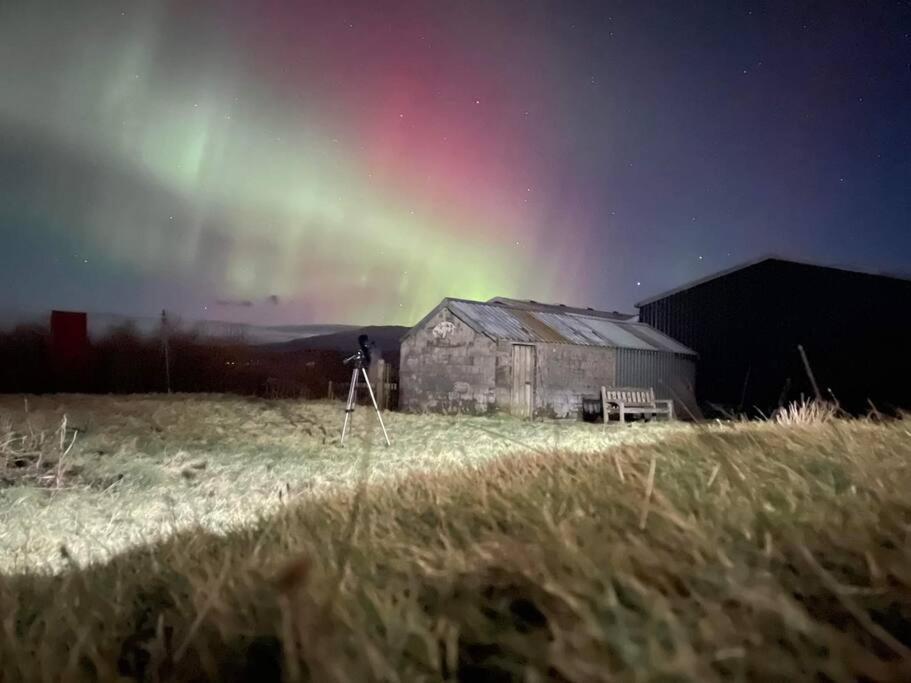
(533, 360)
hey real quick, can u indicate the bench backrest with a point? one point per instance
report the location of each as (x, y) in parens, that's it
(630, 394)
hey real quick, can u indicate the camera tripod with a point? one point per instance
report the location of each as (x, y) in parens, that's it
(359, 370)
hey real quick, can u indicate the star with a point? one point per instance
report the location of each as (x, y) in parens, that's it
(638, 284)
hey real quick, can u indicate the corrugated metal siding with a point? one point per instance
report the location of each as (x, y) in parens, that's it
(669, 374)
(520, 325)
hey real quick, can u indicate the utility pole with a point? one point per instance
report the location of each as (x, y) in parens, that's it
(165, 345)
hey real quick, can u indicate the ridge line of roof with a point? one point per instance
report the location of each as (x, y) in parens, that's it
(755, 262)
(529, 305)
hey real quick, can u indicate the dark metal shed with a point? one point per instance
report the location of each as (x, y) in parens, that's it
(746, 323)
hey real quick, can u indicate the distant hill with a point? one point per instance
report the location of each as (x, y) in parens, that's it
(101, 324)
(386, 337)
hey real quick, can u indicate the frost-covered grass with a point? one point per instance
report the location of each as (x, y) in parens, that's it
(746, 552)
(144, 467)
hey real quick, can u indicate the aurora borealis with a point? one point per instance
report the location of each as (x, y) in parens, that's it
(356, 162)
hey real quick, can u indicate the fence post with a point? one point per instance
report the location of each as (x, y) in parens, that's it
(604, 406)
(379, 379)
(385, 381)
(329, 395)
(165, 342)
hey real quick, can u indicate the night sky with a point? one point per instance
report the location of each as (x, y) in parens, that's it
(294, 162)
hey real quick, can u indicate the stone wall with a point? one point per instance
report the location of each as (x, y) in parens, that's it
(564, 374)
(447, 367)
(567, 373)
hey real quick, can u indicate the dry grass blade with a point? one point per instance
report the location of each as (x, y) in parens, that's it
(616, 459)
(715, 470)
(650, 486)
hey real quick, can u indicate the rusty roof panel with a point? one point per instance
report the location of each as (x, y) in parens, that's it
(572, 328)
(533, 322)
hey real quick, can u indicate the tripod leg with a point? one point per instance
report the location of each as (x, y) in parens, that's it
(349, 407)
(375, 406)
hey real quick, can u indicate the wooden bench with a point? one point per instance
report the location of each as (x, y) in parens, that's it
(623, 401)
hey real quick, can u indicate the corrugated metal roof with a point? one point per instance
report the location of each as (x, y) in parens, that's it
(522, 325)
(534, 323)
(624, 337)
(653, 336)
(494, 321)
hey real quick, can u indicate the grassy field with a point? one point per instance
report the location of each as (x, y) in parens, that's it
(214, 538)
(144, 467)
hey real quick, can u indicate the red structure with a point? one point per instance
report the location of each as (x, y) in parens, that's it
(69, 348)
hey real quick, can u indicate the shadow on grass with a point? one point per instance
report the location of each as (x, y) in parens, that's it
(752, 554)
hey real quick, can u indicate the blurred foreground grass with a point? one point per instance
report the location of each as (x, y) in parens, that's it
(738, 552)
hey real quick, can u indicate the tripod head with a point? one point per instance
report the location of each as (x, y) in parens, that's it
(357, 358)
(361, 358)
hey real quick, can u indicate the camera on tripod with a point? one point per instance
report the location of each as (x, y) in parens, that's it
(361, 360)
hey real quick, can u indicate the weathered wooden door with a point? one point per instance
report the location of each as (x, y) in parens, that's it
(523, 380)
